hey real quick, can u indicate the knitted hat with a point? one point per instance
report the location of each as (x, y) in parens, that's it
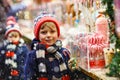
(11, 20)
(11, 28)
(44, 17)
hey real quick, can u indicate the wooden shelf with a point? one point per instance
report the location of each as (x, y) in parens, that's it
(98, 74)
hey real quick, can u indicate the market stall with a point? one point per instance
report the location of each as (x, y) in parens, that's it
(90, 40)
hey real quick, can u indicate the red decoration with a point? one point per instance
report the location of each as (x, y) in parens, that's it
(47, 0)
(9, 54)
(97, 63)
(14, 72)
(17, 42)
(43, 78)
(92, 64)
(66, 77)
(101, 63)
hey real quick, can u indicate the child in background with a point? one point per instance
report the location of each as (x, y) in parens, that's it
(48, 60)
(12, 54)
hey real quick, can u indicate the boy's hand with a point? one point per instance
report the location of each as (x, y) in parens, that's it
(72, 64)
(52, 49)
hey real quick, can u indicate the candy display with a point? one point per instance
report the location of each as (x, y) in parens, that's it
(87, 49)
(96, 44)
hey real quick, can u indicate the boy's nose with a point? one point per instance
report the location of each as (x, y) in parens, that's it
(48, 34)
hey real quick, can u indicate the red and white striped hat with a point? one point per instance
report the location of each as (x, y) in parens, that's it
(12, 27)
(44, 17)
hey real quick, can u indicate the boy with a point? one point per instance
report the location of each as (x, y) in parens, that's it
(48, 60)
(12, 55)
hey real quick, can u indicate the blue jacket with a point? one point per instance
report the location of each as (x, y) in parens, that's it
(31, 66)
(6, 66)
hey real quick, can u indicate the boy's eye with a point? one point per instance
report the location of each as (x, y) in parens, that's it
(53, 31)
(43, 32)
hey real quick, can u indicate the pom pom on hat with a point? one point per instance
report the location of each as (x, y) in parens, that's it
(44, 17)
(12, 27)
(10, 20)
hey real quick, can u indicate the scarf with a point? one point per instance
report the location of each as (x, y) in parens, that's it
(40, 55)
(11, 57)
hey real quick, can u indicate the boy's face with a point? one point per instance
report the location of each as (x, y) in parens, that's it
(13, 36)
(48, 35)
